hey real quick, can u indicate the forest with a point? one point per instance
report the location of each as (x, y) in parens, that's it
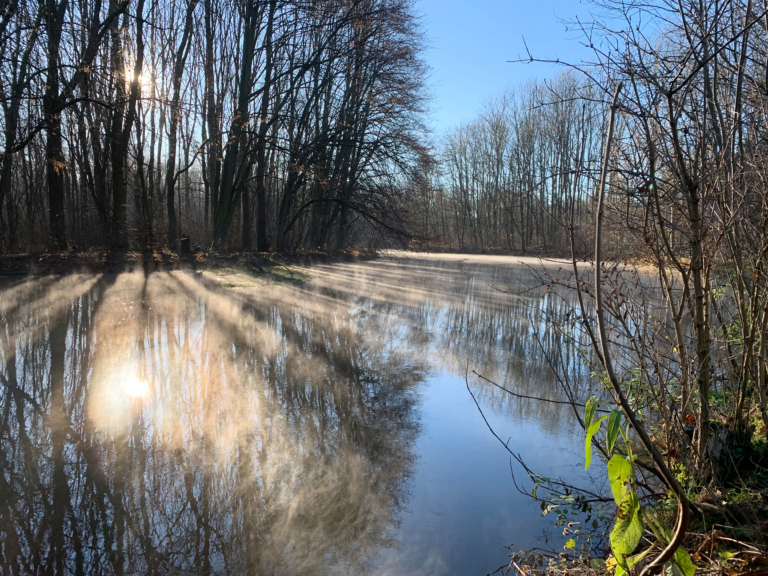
(295, 125)
(302, 125)
(246, 124)
(285, 125)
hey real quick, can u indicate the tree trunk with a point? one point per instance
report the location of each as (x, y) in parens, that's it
(214, 144)
(262, 242)
(227, 201)
(175, 116)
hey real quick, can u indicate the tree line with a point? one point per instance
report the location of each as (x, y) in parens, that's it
(507, 180)
(251, 123)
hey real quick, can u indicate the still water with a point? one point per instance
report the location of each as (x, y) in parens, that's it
(161, 424)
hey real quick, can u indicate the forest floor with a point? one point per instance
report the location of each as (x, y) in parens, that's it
(228, 268)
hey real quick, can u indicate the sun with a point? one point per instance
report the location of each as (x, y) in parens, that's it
(145, 79)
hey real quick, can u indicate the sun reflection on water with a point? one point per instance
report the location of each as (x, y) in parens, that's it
(135, 387)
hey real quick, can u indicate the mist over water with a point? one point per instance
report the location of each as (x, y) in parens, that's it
(156, 423)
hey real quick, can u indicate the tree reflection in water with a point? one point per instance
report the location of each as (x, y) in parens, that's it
(151, 423)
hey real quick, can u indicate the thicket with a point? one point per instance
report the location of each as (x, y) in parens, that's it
(681, 346)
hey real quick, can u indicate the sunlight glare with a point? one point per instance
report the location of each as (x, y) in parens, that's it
(135, 387)
(145, 80)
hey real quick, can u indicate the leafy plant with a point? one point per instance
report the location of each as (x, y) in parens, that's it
(632, 517)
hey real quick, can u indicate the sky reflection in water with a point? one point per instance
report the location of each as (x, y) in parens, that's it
(157, 424)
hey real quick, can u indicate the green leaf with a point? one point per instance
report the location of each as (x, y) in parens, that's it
(589, 413)
(631, 561)
(612, 432)
(597, 563)
(620, 571)
(591, 431)
(671, 569)
(628, 529)
(570, 543)
(619, 473)
(533, 492)
(684, 561)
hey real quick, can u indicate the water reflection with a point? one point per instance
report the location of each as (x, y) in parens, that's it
(482, 313)
(156, 424)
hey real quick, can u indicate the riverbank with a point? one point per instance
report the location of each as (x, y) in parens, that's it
(530, 252)
(265, 266)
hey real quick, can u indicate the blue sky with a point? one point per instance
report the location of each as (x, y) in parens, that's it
(471, 41)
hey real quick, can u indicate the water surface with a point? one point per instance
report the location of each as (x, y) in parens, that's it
(158, 423)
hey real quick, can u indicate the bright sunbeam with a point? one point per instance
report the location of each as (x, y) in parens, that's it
(135, 387)
(145, 79)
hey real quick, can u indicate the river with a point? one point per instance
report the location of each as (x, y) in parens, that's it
(167, 423)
